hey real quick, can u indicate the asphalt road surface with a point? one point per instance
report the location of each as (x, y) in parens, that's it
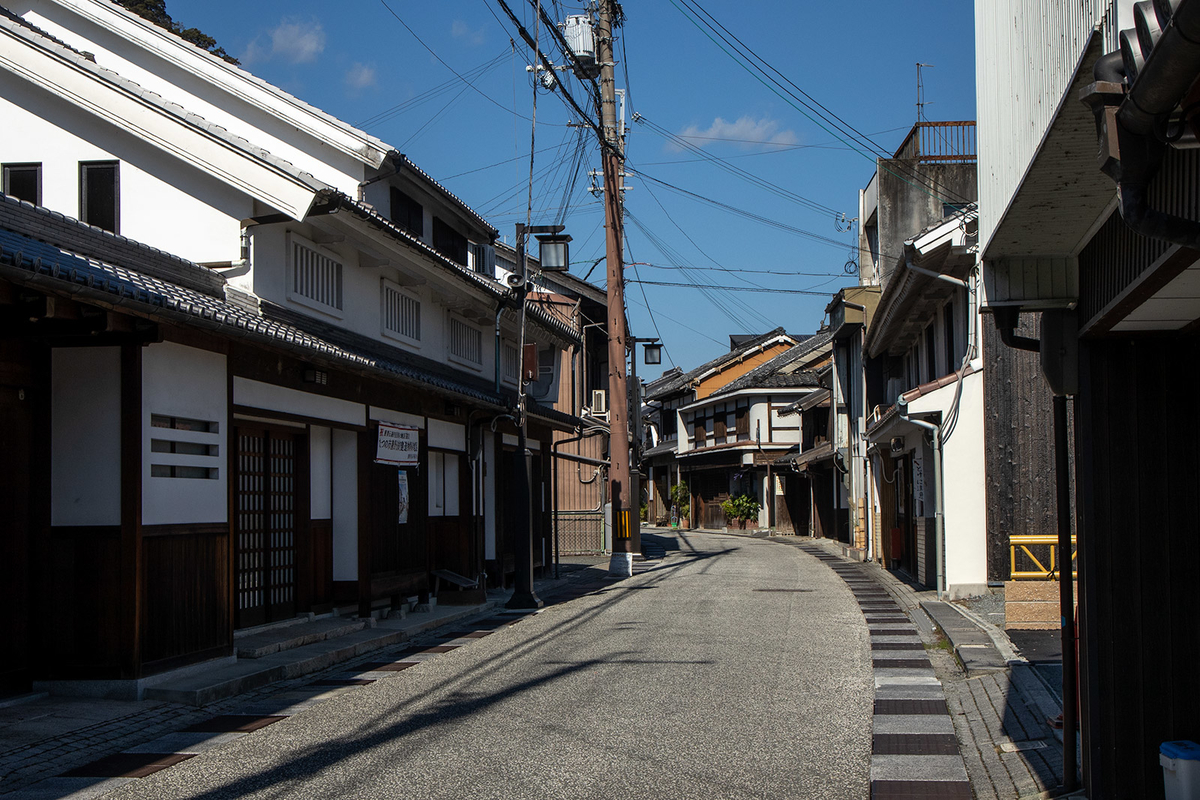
(738, 668)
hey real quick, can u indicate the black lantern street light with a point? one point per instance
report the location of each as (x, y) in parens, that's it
(553, 255)
(652, 351)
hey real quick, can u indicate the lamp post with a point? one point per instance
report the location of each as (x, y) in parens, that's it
(554, 248)
(653, 353)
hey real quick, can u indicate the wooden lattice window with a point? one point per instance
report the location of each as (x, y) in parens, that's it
(315, 278)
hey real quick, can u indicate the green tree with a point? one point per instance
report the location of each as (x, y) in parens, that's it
(156, 11)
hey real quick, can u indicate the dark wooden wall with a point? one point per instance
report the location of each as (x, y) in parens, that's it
(1138, 477)
(187, 594)
(1018, 445)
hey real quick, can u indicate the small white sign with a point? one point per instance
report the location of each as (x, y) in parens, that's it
(398, 445)
(403, 497)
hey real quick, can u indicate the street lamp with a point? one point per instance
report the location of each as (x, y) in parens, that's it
(554, 247)
(553, 252)
(652, 351)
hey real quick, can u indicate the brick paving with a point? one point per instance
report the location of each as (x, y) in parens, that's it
(1000, 719)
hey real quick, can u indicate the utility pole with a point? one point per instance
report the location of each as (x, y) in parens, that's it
(619, 484)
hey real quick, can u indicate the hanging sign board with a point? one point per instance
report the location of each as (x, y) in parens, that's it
(398, 445)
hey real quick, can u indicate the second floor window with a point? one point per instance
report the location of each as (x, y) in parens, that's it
(466, 342)
(510, 365)
(449, 242)
(401, 314)
(315, 279)
(100, 194)
(24, 182)
(407, 213)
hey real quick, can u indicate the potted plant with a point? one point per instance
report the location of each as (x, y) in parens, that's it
(741, 508)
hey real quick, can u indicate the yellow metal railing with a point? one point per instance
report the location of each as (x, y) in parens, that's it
(1047, 550)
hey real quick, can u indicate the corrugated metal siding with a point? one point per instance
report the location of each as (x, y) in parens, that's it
(1139, 555)
(1026, 52)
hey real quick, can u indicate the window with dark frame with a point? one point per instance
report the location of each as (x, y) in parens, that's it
(449, 242)
(719, 425)
(741, 421)
(701, 430)
(948, 336)
(930, 354)
(24, 182)
(407, 213)
(99, 194)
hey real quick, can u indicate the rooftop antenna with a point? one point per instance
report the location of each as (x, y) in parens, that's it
(921, 91)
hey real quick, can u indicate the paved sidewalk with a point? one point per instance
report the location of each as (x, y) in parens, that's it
(43, 738)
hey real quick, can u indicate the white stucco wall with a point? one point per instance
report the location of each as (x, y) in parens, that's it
(256, 394)
(241, 111)
(163, 202)
(345, 505)
(85, 447)
(179, 381)
(964, 485)
(320, 471)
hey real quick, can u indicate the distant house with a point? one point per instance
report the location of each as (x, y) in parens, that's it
(257, 378)
(923, 344)
(735, 435)
(675, 389)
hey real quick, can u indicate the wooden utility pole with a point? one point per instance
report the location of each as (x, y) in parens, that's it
(624, 505)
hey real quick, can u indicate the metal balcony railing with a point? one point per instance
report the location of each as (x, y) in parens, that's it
(940, 142)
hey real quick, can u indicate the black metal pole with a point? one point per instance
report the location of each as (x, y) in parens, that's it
(523, 595)
(1066, 590)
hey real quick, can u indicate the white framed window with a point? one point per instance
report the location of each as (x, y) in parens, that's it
(510, 364)
(400, 314)
(466, 342)
(314, 276)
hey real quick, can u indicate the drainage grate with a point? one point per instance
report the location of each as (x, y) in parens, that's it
(388, 666)
(128, 765)
(235, 723)
(343, 682)
(915, 744)
(920, 790)
(911, 707)
(790, 591)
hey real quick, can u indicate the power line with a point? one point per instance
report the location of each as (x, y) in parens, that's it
(769, 290)
(824, 118)
(478, 91)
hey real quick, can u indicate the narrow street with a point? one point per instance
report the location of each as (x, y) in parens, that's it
(737, 668)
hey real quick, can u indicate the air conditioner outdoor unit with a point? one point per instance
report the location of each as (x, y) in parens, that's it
(599, 402)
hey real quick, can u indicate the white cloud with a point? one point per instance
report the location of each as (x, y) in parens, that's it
(460, 30)
(292, 40)
(360, 76)
(746, 133)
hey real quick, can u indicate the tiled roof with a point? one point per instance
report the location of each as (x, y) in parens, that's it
(38, 39)
(775, 374)
(668, 385)
(149, 292)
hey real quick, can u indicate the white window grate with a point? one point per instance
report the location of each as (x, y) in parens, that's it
(401, 314)
(316, 278)
(466, 342)
(510, 363)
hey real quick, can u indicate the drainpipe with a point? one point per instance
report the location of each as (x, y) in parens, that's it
(938, 514)
(1005, 318)
(499, 311)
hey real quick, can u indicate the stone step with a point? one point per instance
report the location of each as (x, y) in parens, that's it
(269, 642)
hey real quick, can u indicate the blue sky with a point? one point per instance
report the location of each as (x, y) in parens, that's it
(359, 62)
